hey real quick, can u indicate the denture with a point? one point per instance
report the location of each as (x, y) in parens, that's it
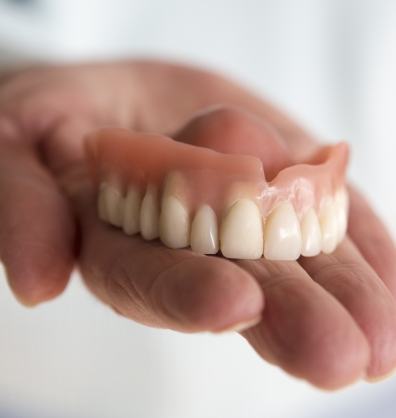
(192, 196)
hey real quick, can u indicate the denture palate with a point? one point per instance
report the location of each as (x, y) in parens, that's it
(191, 196)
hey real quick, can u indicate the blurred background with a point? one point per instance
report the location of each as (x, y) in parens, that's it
(332, 65)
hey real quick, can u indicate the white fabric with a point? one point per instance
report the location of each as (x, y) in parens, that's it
(332, 64)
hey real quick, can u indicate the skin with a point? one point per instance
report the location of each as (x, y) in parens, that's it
(329, 319)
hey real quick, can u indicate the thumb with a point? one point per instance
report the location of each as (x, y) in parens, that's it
(36, 227)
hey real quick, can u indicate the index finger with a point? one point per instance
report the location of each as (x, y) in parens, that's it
(161, 287)
(372, 239)
(36, 228)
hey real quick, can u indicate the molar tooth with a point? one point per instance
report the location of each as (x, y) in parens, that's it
(329, 227)
(282, 239)
(241, 233)
(131, 211)
(310, 234)
(174, 223)
(341, 203)
(149, 214)
(114, 204)
(204, 231)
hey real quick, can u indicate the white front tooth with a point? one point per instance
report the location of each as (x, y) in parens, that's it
(174, 223)
(342, 222)
(132, 211)
(310, 234)
(114, 204)
(329, 227)
(149, 214)
(204, 231)
(342, 206)
(282, 237)
(102, 210)
(241, 233)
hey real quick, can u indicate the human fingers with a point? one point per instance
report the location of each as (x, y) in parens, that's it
(36, 227)
(304, 329)
(372, 238)
(161, 287)
(350, 279)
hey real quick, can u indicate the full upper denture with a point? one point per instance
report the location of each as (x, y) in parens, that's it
(189, 195)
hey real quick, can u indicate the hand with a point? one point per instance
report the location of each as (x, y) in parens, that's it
(328, 319)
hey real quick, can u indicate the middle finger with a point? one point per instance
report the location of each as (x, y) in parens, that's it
(349, 278)
(304, 329)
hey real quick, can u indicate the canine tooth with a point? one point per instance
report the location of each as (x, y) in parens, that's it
(282, 237)
(241, 232)
(341, 203)
(174, 223)
(310, 234)
(204, 231)
(114, 204)
(131, 211)
(149, 214)
(102, 211)
(329, 227)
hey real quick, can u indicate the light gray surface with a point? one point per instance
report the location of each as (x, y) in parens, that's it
(332, 64)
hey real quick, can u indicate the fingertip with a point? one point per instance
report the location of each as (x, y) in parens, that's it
(340, 371)
(311, 336)
(208, 294)
(241, 326)
(381, 377)
(337, 361)
(383, 355)
(31, 300)
(350, 280)
(328, 364)
(33, 283)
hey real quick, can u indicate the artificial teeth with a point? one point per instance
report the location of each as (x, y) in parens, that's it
(149, 214)
(282, 240)
(131, 211)
(241, 234)
(102, 209)
(113, 203)
(310, 234)
(329, 227)
(174, 223)
(204, 231)
(341, 204)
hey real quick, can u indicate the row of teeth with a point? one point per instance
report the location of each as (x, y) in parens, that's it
(242, 233)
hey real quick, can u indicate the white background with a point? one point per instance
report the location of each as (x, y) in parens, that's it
(330, 63)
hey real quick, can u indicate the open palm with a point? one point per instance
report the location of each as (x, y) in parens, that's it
(328, 319)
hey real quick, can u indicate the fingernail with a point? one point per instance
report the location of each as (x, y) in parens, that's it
(29, 299)
(376, 379)
(239, 326)
(27, 303)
